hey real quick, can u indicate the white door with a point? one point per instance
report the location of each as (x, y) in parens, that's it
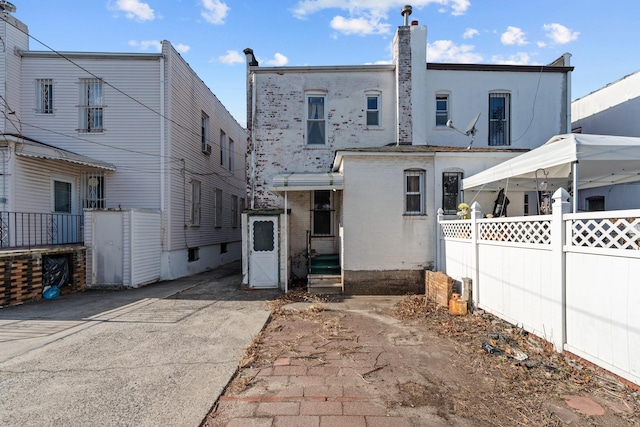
(263, 252)
(65, 226)
(108, 253)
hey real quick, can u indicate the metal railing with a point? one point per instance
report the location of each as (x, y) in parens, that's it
(29, 230)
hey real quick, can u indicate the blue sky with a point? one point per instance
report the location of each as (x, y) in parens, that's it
(211, 34)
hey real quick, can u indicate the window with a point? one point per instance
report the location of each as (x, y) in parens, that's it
(91, 106)
(193, 254)
(315, 120)
(223, 148)
(204, 134)
(62, 197)
(218, 202)
(231, 154)
(414, 192)
(442, 110)
(92, 190)
(499, 112)
(451, 194)
(234, 211)
(373, 110)
(195, 202)
(44, 96)
(322, 213)
(595, 203)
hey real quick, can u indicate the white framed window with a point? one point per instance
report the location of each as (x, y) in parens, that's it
(499, 118)
(223, 148)
(218, 208)
(92, 190)
(442, 109)
(316, 119)
(451, 192)
(414, 201)
(91, 106)
(373, 109)
(195, 202)
(231, 154)
(204, 134)
(322, 221)
(234, 211)
(44, 96)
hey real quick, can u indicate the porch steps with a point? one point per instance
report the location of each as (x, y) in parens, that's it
(325, 264)
(324, 284)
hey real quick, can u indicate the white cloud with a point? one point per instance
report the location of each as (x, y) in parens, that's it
(560, 34)
(360, 26)
(134, 9)
(232, 57)
(541, 44)
(366, 16)
(278, 60)
(520, 58)
(146, 45)
(513, 35)
(182, 48)
(448, 51)
(470, 33)
(214, 11)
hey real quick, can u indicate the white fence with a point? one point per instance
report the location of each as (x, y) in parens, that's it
(572, 279)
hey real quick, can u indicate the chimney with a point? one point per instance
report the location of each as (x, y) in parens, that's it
(251, 60)
(406, 11)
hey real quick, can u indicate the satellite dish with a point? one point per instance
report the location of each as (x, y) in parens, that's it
(470, 130)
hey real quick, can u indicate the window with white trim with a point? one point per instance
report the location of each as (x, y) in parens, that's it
(204, 134)
(195, 202)
(44, 96)
(223, 148)
(91, 106)
(322, 213)
(218, 208)
(373, 109)
(499, 118)
(316, 120)
(442, 109)
(414, 201)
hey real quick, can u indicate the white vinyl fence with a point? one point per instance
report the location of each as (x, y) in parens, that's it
(572, 279)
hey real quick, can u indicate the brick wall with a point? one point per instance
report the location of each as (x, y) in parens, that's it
(21, 274)
(437, 287)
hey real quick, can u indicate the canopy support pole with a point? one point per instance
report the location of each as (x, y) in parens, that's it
(575, 186)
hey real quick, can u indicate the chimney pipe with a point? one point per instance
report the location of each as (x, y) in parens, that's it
(406, 11)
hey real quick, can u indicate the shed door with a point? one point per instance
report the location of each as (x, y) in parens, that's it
(108, 255)
(263, 253)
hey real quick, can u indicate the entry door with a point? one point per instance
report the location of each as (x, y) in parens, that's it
(108, 248)
(263, 253)
(64, 226)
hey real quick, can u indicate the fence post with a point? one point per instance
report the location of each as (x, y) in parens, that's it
(438, 258)
(476, 214)
(558, 331)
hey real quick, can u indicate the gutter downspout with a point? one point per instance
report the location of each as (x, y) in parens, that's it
(286, 242)
(574, 167)
(567, 59)
(162, 137)
(253, 141)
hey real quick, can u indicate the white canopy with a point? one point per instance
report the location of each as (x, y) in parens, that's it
(601, 160)
(308, 181)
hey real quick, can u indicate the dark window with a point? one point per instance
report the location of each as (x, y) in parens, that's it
(263, 236)
(595, 203)
(499, 119)
(451, 194)
(442, 110)
(322, 213)
(194, 254)
(315, 120)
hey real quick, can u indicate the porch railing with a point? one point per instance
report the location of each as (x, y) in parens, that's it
(29, 230)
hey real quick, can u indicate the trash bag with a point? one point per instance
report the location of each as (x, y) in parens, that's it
(55, 271)
(51, 292)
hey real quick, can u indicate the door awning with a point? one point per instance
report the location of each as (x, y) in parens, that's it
(307, 182)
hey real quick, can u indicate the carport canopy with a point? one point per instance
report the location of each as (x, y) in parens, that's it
(308, 181)
(598, 160)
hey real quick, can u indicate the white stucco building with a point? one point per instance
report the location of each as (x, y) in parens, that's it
(348, 165)
(611, 110)
(84, 133)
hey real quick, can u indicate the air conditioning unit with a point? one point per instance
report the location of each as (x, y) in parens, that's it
(206, 148)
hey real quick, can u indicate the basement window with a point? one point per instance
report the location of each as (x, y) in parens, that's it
(194, 254)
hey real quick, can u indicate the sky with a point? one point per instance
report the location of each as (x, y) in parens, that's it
(602, 36)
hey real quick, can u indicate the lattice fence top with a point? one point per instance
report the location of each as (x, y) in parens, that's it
(610, 233)
(456, 229)
(535, 232)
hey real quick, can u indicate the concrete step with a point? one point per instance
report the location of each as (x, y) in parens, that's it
(324, 283)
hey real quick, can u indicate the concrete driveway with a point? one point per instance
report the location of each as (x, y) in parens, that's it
(159, 355)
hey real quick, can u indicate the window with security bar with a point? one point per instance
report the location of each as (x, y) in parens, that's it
(499, 119)
(451, 194)
(92, 191)
(44, 96)
(91, 106)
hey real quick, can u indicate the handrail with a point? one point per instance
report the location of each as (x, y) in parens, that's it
(32, 229)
